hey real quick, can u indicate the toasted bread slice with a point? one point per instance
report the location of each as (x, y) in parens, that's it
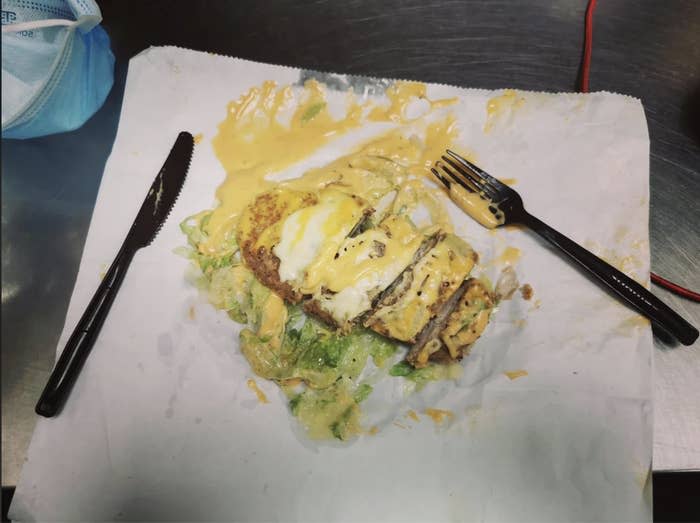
(428, 340)
(462, 319)
(468, 320)
(422, 290)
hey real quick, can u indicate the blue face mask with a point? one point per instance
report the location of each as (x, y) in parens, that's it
(57, 67)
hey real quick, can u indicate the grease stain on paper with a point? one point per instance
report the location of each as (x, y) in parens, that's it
(439, 416)
(500, 107)
(509, 256)
(628, 326)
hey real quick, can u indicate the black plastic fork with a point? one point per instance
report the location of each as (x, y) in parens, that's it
(507, 201)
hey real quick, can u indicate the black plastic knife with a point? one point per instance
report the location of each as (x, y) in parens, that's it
(153, 213)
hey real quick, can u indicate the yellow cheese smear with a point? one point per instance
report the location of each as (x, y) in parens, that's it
(258, 393)
(254, 141)
(439, 416)
(271, 128)
(515, 374)
(476, 206)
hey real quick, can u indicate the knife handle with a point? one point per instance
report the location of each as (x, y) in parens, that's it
(629, 290)
(82, 339)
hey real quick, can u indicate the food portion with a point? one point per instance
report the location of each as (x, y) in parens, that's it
(391, 277)
(420, 293)
(351, 262)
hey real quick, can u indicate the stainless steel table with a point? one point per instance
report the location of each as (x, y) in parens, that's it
(647, 49)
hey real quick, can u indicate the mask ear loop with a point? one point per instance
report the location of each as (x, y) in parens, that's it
(39, 24)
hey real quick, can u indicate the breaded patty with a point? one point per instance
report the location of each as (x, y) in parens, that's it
(392, 278)
(258, 233)
(422, 289)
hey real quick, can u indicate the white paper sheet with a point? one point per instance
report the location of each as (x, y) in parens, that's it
(161, 424)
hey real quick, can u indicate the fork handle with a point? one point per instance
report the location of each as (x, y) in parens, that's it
(628, 289)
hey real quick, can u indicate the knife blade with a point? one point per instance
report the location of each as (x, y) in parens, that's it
(151, 216)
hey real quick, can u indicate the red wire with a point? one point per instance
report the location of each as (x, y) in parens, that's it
(587, 46)
(681, 291)
(583, 87)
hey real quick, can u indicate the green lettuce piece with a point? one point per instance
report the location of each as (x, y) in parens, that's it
(312, 111)
(341, 427)
(421, 377)
(380, 348)
(194, 228)
(402, 368)
(332, 411)
(362, 392)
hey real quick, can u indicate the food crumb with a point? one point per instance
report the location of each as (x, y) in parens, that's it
(191, 313)
(526, 291)
(507, 284)
(260, 394)
(198, 138)
(399, 425)
(373, 430)
(515, 374)
(519, 323)
(438, 415)
(412, 414)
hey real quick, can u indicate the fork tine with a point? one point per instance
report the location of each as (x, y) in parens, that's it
(464, 182)
(474, 168)
(440, 177)
(461, 170)
(479, 183)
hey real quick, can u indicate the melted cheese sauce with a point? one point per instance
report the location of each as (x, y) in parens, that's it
(401, 95)
(313, 234)
(254, 141)
(435, 277)
(515, 374)
(509, 256)
(272, 321)
(363, 269)
(258, 393)
(476, 206)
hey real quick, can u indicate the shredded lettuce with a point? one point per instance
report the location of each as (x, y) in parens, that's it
(194, 228)
(362, 392)
(327, 363)
(421, 377)
(332, 412)
(312, 111)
